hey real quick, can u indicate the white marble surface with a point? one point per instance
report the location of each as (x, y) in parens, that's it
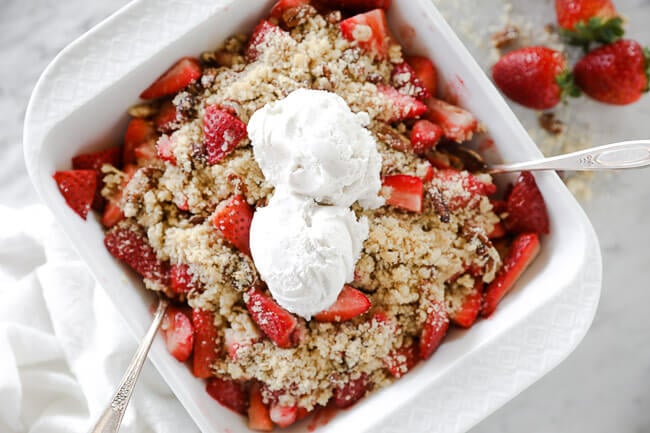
(603, 387)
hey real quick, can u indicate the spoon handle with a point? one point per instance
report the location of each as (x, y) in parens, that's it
(111, 418)
(627, 154)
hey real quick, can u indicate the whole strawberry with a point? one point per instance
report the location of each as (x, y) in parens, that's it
(585, 21)
(535, 77)
(616, 73)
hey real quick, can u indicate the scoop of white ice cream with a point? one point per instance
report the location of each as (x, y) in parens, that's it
(305, 252)
(313, 143)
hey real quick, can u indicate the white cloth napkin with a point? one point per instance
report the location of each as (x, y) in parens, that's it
(63, 346)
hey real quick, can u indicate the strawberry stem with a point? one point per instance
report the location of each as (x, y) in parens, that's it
(596, 29)
(646, 55)
(568, 87)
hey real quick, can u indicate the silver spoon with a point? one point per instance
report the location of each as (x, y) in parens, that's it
(627, 154)
(111, 418)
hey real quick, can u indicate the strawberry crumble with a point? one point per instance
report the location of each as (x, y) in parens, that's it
(179, 198)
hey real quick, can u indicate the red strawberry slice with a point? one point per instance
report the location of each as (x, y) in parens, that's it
(180, 279)
(276, 322)
(370, 32)
(457, 124)
(404, 79)
(350, 304)
(230, 393)
(585, 21)
(402, 106)
(165, 149)
(131, 246)
(358, 5)
(470, 183)
(78, 189)
(262, 36)
(425, 72)
(428, 176)
(526, 207)
(205, 343)
(138, 131)
(278, 10)
(95, 161)
(166, 117)
(402, 360)
(112, 212)
(425, 136)
(223, 132)
(178, 333)
(405, 192)
(233, 219)
(259, 417)
(283, 416)
(302, 413)
(351, 392)
(435, 329)
(471, 306)
(523, 251)
(235, 341)
(182, 73)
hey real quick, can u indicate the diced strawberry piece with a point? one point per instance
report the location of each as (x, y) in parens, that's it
(402, 360)
(230, 393)
(278, 10)
(283, 416)
(425, 136)
(351, 392)
(78, 189)
(497, 232)
(138, 131)
(405, 80)
(471, 306)
(428, 177)
(457, 124)
(182, 73)
(235, 341)
(178, 333)
(526, 207)
(233, 219)
(469, 182)
(499, 206)
(425, 71)
(166, 117)
(223, 132)
(435, 329)
(132, 247)
(358, 5)
(370, 31)
(350, 304)
(95, 161)
(180, 279)
(276, 322)
(259, 417)
(260, 39)
(523, 251)
(145, 152)
(405, 192)
(165, 148)
(205, 343)
(112, 212)
(402, 106)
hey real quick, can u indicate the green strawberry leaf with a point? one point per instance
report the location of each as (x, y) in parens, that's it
(567, 85)
(646, 54)
(595, 30)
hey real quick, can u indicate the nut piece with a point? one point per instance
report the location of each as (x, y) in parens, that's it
(551, 124)
(505, 37)
(144, 110)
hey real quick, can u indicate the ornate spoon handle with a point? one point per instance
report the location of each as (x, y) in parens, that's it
(111, 418)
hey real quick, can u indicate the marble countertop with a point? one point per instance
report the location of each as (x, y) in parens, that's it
(603, 386)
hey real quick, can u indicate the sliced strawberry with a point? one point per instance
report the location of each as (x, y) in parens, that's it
(165, 149)
(404, 79)
(178, 333)
(223, 132)
(205, 343)
(523, 251)
(425, 136)
(276, 322)
(302, 413)
(278, 10)
(259, 417)
(95, 161)
(497, 232)
(233, 219)
(182, 73)
(138, 131)
(112, 212)
(405, 192)
(166, 117)
(457, 124)
(526, 207)
(428, 177)
(283, 416)
(425, 71)
(350, 304)
(262, 35)
(78, 189)
(471, 306)
(470, 183)
(131, 246)
(402, 360)
(435, 329)
(370, 32)
(235, 341)
(230, 393)
(358, 5)
(180, 279)
(351, 392)
(499, 206)
(145, 152)
(402, 106)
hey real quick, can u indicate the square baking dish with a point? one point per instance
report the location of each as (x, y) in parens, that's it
(80, 105)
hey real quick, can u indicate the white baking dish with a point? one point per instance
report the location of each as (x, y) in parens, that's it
(79, 105)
